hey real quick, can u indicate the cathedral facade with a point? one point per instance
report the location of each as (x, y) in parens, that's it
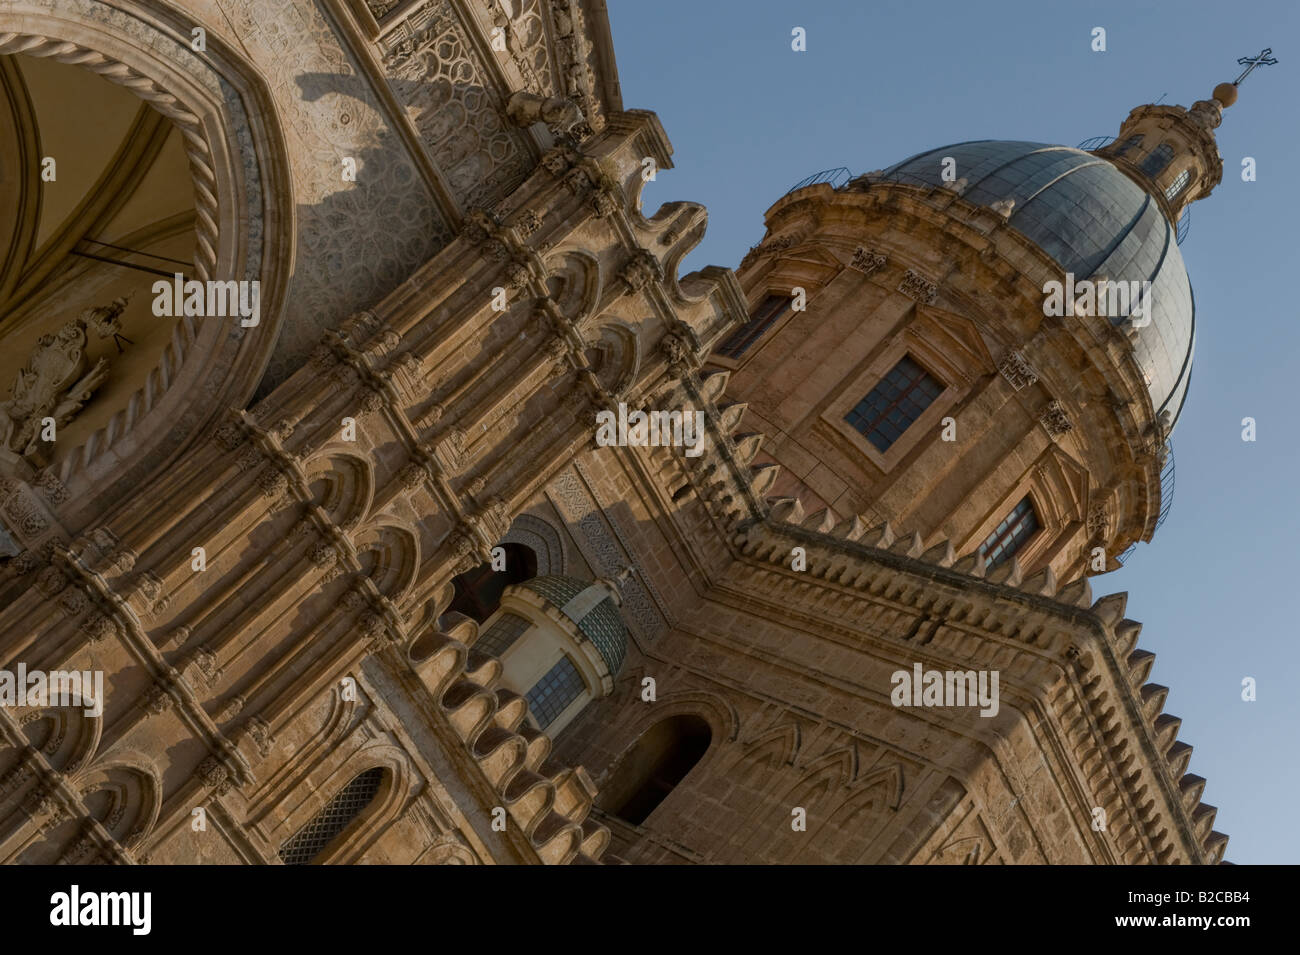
(364, 439)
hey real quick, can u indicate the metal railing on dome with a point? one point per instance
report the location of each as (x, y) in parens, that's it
(1097, 142)
(835, 177)
(903, 178)
(1166, 499)
(1166, 486)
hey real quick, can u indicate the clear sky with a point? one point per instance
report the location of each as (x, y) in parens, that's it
(748, 118)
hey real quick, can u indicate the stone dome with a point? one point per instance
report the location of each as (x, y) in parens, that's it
(598, 620)
(1093, 220)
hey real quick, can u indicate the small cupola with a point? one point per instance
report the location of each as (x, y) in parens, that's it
(561, 642)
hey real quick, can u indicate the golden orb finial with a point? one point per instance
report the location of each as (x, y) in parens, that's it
(1226, 94)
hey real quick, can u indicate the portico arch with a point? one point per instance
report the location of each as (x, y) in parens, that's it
(243, 230)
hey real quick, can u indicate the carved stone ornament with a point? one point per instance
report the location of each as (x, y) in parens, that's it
(1016, 370)
(867, 261)
(641, 269)
(57, 379)
(1098, 520)
(562, 116)
(1055, 419)
(915, 286)
(211, 772)
(54, 490)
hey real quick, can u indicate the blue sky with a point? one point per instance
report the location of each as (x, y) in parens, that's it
(748, 118)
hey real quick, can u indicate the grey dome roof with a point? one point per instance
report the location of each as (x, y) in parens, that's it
(602, 625)
(1092, 219)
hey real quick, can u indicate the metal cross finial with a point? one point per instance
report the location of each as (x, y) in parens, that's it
(1264, 59)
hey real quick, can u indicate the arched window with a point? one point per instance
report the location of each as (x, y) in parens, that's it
(478, 591)
(308, 842)
(1177, 185)
(1160, 157)
(1128, 145)
(653, 767)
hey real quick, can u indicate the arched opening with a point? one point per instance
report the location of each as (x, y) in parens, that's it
(1157, 160)
(1128, 145)
(307, 844)
(478, 591)
(654, 766)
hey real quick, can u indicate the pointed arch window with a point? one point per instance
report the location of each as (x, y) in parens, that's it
(764, 317)
(1159, 158)
(1178, 184)
(350, 801)
(1010, 534)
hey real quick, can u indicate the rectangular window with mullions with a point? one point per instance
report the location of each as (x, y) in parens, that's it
(1008, 537)
(897, 401)
(501, 636)
(764, 317)
(561, 685)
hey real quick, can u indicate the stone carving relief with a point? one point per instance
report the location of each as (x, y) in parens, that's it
(916, 286)
(1016, 370)
(328, 112)
(1055, 418)
(607, 551)
(57, 379)
(438, 77)
(380, 8)
(867, 261)
(562, 116)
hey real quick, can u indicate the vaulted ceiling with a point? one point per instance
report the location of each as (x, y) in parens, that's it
(112, 213)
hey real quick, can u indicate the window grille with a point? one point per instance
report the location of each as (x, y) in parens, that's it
(307, 843)
(561, 685)
(1177, 185)
(891, 407)
(764, 317)
(501, 636)
(1007, 538)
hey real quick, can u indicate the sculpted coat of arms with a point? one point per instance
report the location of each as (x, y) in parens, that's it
(57, 379)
